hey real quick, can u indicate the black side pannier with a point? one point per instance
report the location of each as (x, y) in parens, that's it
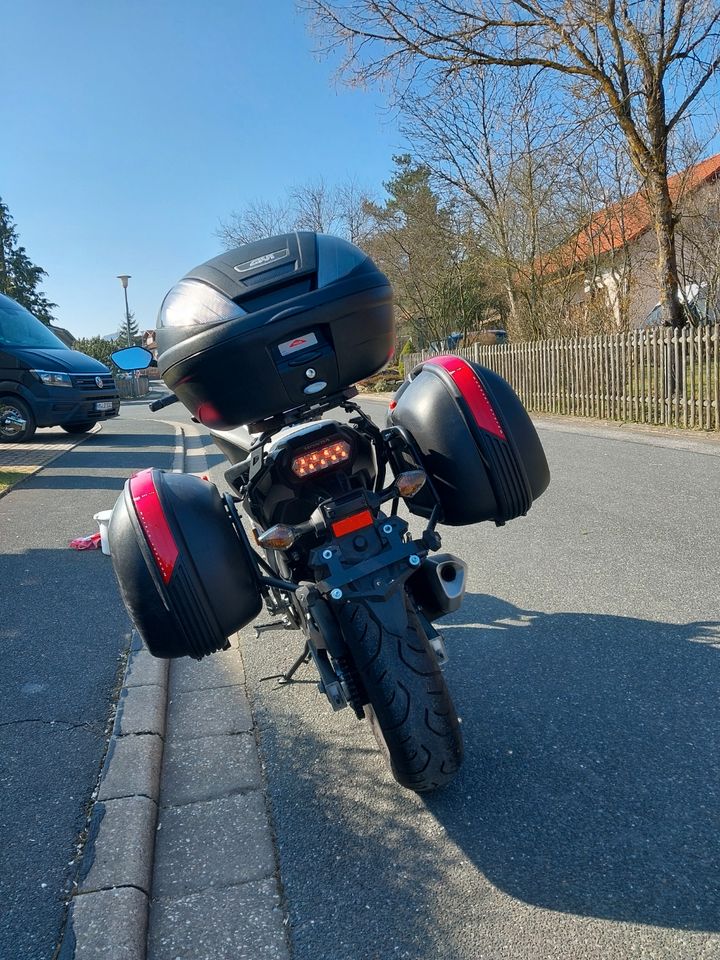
(475, 440)
(273, 325)
(186, 572)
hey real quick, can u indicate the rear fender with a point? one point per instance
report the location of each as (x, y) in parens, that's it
(234, 444)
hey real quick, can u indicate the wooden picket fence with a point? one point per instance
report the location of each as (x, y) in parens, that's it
(128, 391)
(660, 376)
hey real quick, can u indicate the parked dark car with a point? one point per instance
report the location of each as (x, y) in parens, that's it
(45, 384)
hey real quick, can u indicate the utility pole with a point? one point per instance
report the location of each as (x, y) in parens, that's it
(123, 278)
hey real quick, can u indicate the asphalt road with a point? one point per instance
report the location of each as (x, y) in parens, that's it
(64, 633)
(585, 665)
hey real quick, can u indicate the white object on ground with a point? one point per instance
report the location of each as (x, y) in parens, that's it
(103, 519)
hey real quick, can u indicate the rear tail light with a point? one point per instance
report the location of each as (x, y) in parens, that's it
(321, 458)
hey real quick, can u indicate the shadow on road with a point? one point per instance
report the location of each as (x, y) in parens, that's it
(97, 465)
(80, 481)
(590, 787)
(107, 438)
(591, 761)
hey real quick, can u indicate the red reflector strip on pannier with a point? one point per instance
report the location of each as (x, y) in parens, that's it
(350, 524)
(154, 523)
(467, 382)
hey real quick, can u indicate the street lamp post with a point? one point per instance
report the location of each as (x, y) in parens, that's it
(123, 278)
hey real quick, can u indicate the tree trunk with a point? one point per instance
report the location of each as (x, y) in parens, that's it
(510, 294)
(668, 282)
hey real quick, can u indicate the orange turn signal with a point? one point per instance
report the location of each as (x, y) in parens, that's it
(279, 537)
(410, 483)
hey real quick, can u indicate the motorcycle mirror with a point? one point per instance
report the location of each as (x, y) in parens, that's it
(133, 358)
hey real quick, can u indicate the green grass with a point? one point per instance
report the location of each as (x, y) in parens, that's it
(9, 477)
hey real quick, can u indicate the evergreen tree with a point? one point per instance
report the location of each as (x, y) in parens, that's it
(122, 335)
(20, 278)
(430, 253)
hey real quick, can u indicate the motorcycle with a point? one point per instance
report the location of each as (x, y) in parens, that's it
(262, 344)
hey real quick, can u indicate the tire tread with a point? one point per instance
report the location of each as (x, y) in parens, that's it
(408, 702)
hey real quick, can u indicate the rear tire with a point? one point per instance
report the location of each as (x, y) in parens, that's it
(408, 703)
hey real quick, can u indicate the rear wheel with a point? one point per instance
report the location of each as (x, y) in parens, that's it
(78, 427)
(408, 702)
(17, 422)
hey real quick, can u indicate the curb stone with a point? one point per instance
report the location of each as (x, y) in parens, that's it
(651, 434)
(108, 912)
(108, 915)
(166, 875)
(214, 843)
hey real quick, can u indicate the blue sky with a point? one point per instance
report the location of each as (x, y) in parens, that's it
(130, 128)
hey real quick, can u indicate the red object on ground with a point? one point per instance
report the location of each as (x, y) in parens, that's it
(86, 543)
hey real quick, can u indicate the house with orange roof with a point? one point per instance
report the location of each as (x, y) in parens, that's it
(149, 343)
(610, 263)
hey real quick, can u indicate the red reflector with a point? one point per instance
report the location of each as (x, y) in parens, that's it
(350, 524)
(154, 523)
(392, 405)
(467, 382)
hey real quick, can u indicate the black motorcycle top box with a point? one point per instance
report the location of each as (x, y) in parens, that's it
(274, 325)
(185, 570)
(469, 431)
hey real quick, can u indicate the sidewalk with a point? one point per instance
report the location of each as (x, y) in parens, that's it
(47, 445)
(698, 441)
(180, 860)
(64, 636)
(18, 460)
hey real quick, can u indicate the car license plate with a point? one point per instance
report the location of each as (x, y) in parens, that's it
(104, 405)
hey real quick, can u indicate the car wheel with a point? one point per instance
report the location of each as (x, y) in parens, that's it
(79, 427)
(17, 422)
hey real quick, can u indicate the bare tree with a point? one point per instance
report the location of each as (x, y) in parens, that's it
(310, 206)
(645, 61)
(498, 146)
(600, 254)
(699, 252)
(260, 218)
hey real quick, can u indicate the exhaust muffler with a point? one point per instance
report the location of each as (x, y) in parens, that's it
(439, 585)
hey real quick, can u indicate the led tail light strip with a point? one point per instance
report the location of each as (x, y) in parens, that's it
(321, 458)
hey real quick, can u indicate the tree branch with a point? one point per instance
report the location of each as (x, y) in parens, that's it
(693, 94)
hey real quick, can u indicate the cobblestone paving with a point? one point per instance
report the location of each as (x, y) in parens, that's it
(46, 445)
